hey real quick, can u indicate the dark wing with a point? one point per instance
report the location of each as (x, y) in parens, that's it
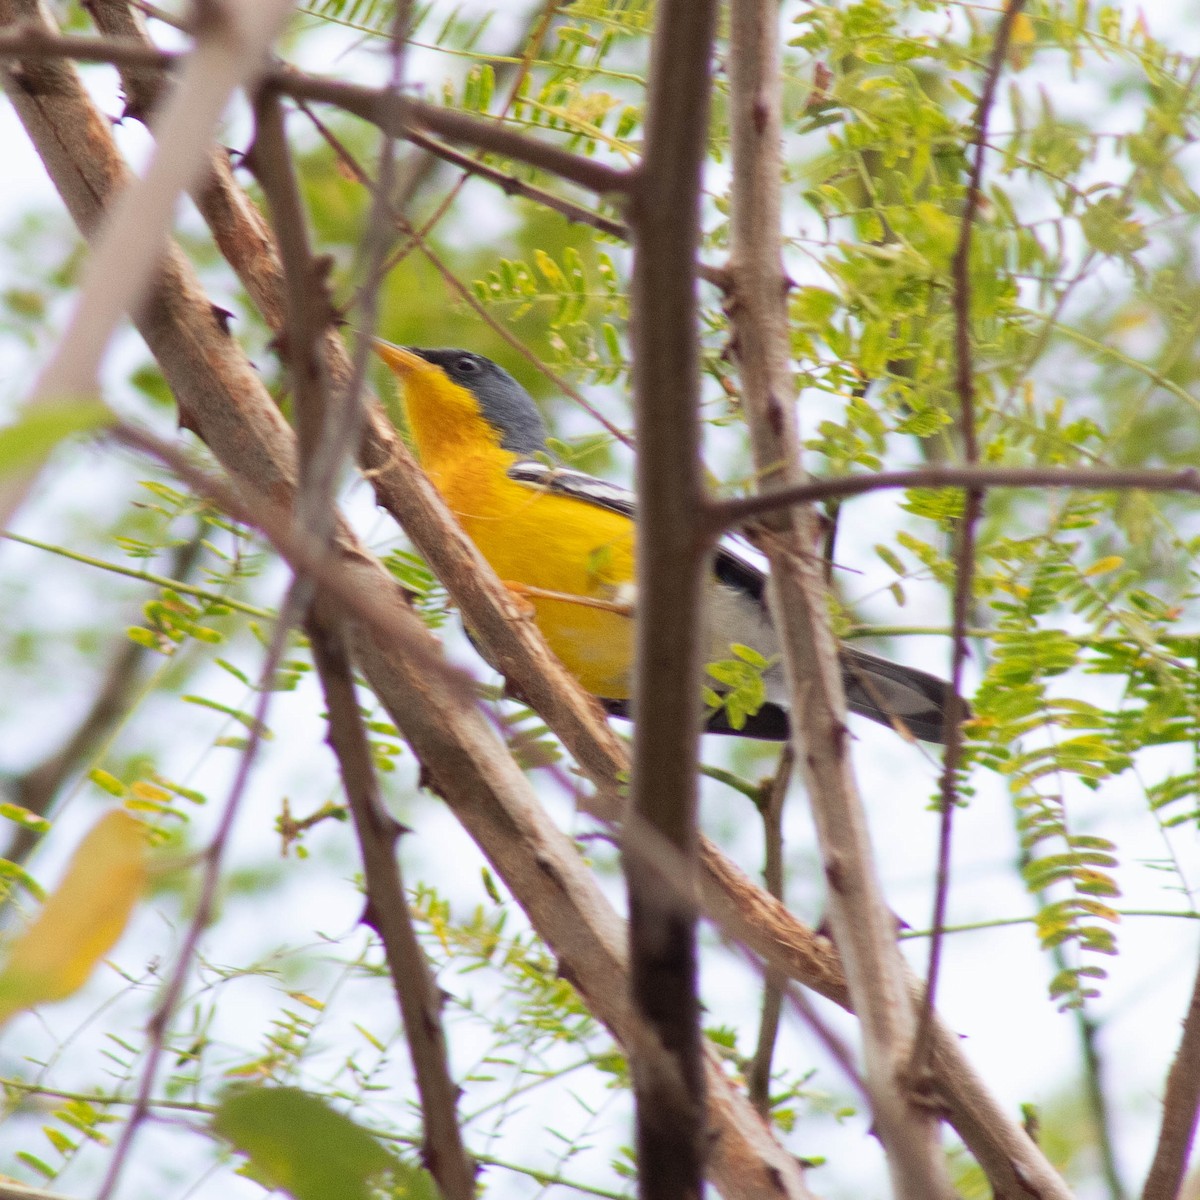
(566, 482)
(736, 565)
(886, 692)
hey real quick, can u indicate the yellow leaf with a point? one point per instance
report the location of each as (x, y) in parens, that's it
(1102, 566)
(1021, 42)
(149, 791)
(82, 919)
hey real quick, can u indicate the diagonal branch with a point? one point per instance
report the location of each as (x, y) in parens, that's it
(397, 115)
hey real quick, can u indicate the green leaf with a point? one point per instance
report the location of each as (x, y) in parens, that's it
(38, 430)
(296, 1142)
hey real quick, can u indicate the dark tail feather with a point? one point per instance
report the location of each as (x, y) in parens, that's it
(902, 697)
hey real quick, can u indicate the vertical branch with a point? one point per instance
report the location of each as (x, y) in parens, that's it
(964, 554)
(863, 927)
(665, 215)
(1181, 1104)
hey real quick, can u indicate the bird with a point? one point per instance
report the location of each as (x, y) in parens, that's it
(564, 542)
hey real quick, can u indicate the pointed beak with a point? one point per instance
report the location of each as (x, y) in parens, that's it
(402, 362)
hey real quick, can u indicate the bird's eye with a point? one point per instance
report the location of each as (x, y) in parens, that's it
(467, 365)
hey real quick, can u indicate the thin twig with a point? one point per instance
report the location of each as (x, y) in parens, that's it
(210, 879)
(737, 511)
(964, 555)
(771, 798)
(297, 549)
(1099, 1102)
(37, 788)
(417, 238)
(31, 41)
(173, 582)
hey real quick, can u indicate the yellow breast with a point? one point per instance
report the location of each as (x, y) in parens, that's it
(556, 544)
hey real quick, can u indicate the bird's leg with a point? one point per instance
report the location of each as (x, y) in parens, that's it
(520, 594)
(526, 592)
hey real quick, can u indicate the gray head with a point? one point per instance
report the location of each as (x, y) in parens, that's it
(504, 402)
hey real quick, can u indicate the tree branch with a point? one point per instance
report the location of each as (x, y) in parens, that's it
(863, 927)
(672, 566)
(1181, 1105)
(398, 115)
(737, 511)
